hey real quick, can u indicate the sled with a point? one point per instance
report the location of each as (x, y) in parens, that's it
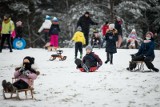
(19, 43)
(58, 55)
(16, 94)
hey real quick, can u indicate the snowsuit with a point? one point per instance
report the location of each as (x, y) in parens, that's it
(7, 29)
(85, 22)
(145, 53)
(111, 38)
(132, 38)
(54, 32)
(79, 42)
(45, 28)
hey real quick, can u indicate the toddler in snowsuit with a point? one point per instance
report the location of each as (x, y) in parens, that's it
(23, 74)
(111, 38)
(54, 32)
(90, 63)
(79, 40)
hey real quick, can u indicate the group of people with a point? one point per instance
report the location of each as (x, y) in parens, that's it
(9, 31)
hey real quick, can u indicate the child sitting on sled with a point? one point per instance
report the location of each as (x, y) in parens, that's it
(90, 63)
(23, 74)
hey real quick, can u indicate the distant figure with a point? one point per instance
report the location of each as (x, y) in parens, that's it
(118, 23)
(111, 39)
(54, 33)
(7, 29)
(145, 53)
(79, 40)
(45, 27)
(132, 41)
(19, 29)
(84, 22)
(96, 39)
(104, 29)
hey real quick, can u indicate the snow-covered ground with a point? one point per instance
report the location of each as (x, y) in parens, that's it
(60, 84)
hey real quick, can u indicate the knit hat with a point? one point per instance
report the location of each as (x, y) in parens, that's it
(89, 47)
(133, 30)
(150, 33)
(31, 59)
(48, 17)
(111, 26)
(55, 19)
(87, 13)
(19, 23)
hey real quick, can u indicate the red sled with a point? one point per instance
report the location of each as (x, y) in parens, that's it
(92, 69)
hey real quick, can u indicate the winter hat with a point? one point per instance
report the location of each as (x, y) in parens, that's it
(31, 59)
(133, 30)
(79, 29)
(150, 33)
(55, 19)
(48, 17)
(19, 23)
(111, 26)
(89, 47)
(87, 13)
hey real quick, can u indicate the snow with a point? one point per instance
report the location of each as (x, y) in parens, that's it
(60, 84)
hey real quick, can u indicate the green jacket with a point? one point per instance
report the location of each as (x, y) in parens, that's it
(7, 27)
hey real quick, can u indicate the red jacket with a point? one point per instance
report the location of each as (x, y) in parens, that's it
(104, 29)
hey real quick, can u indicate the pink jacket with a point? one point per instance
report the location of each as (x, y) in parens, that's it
(25, 78)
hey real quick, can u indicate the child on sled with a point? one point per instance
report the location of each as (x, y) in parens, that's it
(90, 63)
(23, 74)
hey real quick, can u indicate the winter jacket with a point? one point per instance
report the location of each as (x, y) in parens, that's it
(46, 25)
(79, 37)
(111, 39)
(85, 22)
(118, 27)
(147, 49)
(7, 27)
(54, 30)
(92, 59)
(104, 29)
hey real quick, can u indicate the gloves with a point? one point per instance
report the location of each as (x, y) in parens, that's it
(26, 72)
(22, 69)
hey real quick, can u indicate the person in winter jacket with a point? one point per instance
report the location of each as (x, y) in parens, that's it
(90, 60)
(132, 41)
(19, 29)
(111, 38)
(96, 39)
(7, 29)
(23, 74)
(54, 33)
(45, 27)
(118, 23)
(79, 40)
(104, 29)
(145, 53)
(84, 22)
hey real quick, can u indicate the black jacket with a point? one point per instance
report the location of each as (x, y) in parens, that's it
(85, 22)
(111, 42)
(54, 30)
(19, 31)
(118, 27)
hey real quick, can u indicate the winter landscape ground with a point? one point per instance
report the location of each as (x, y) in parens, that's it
(60, 84)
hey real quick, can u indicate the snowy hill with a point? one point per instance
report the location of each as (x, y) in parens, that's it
(60, 84)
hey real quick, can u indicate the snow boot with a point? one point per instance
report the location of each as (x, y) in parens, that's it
(11, 87)
(155, 69)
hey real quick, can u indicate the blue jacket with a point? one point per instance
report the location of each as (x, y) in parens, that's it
(146, 49)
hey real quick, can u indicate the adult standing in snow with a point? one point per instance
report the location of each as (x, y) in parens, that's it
(84, 22)
(111, 39)
(118, 26)
(45, 27)
(7, 29)
(145, 53)
(54, 33)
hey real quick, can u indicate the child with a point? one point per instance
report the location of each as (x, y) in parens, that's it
(111, 39)
(90, 63)
(79, 40)
(104, 29)
(54, 32)
(96, 40)
(145, 53)
(19, 29)
(23, 73)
